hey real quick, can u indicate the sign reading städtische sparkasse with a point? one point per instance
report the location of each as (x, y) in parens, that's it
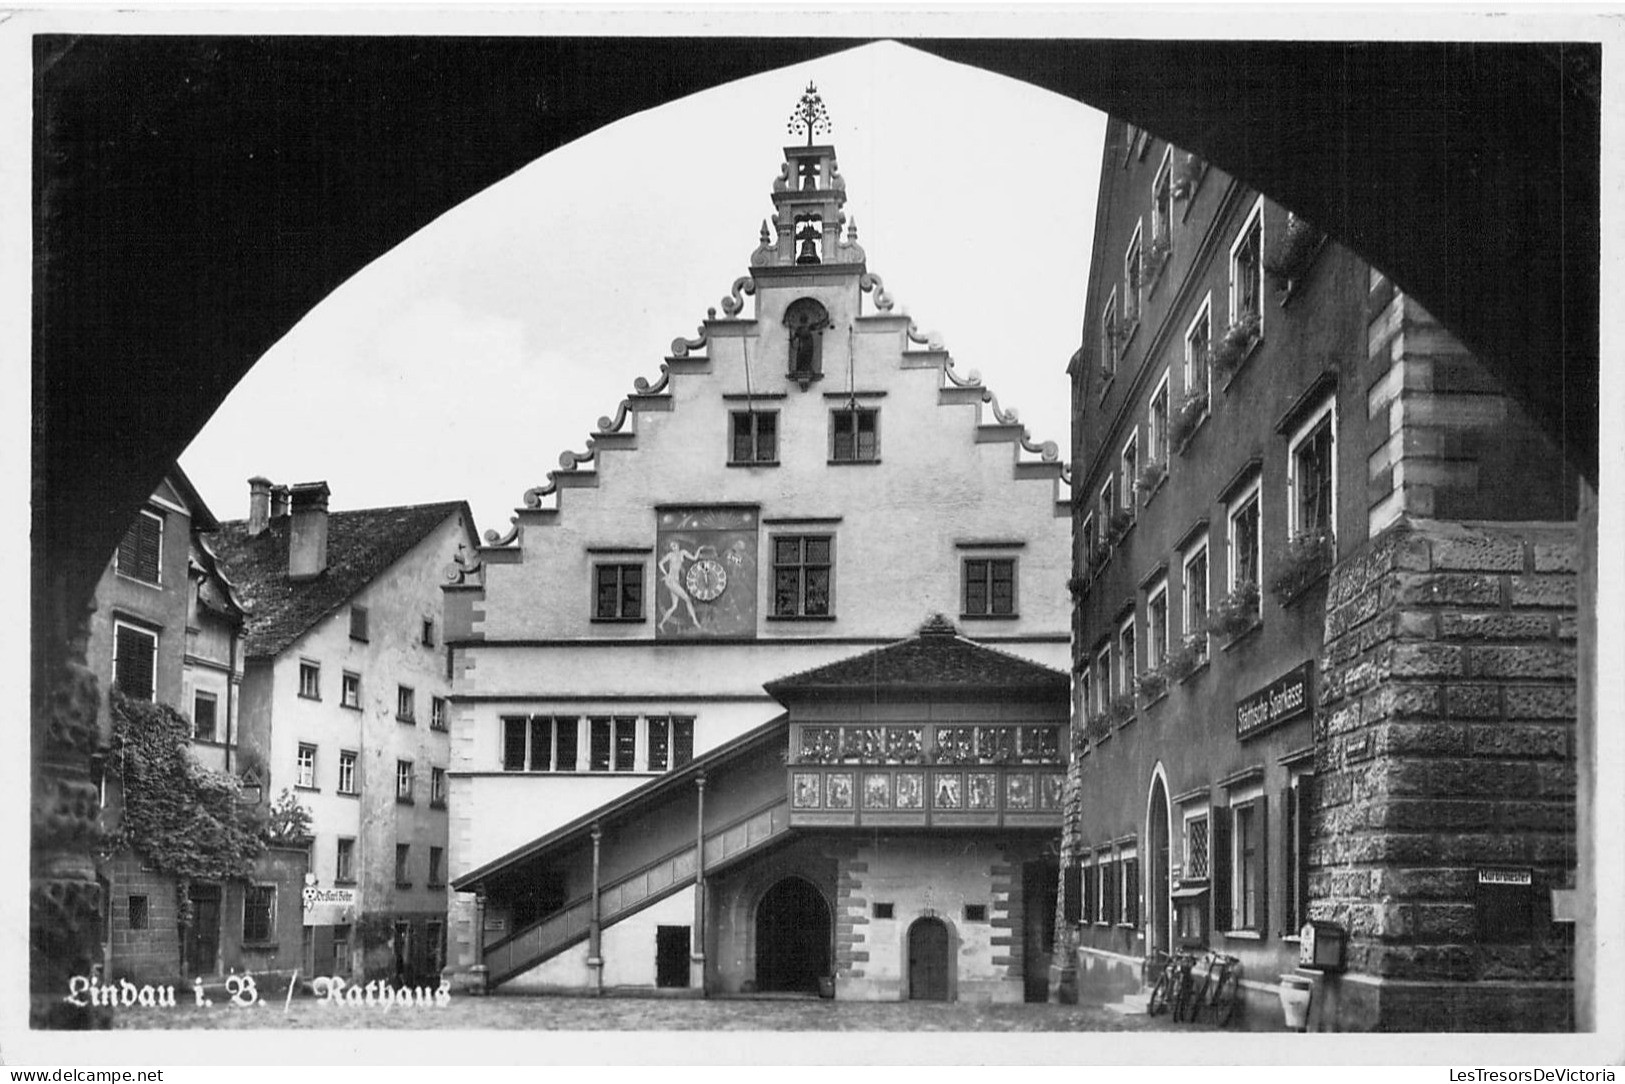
(1287, 697)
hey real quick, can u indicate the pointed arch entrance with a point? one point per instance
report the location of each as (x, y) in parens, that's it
(1157, 858)
(793, 934)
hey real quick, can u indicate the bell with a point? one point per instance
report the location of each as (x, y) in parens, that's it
(809, 252)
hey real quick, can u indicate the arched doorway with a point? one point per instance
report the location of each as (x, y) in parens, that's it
(928, 960)
(792, 937)
(1157, 899)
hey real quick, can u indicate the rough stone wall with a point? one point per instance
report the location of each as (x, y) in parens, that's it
(1445, 745)
(152, 954)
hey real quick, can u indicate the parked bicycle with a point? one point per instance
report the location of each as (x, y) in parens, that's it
(1172, 987)
(1218, 993)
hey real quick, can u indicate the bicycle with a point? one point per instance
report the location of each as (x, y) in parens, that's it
(1220, 990)
(1172, 988)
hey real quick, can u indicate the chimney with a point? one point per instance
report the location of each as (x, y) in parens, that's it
(307, 535)
(259, 505)
(279, 501)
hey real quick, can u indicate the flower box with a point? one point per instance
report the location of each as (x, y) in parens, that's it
(1238, 339)
(1308, 557)
(1187, 175)
(1116, 527)
(1187, 416)
(1152, 472)
(1151, 683)
(1187, 658)
(1236, 612)
(1120, 710)
(1293, 252)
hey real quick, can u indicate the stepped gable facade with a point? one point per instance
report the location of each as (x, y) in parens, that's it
(809, 478)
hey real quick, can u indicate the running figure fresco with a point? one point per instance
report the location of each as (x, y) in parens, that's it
(706, 572)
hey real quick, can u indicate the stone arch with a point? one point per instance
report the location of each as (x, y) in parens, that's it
(1157, 861)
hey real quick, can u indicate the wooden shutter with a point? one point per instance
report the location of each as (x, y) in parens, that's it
(135, 663)
(1289, 864)
(1303, 829)
(138, 553)
(1218, 858)
(1264, 864)
(1072, 893)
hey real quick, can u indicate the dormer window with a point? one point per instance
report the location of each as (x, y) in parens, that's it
(806, 320)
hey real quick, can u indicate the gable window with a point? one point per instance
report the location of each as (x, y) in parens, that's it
(613, 745)
(1156, 626)
(427, 637)
(310, 679)
(403, 865)
(802, 573)
(347, 762)
(305, 767)
(437, 879)
(671, 741)
(344, 864)
(1125, 657)
(1247, 269)
(806, 321)
(437, 713)
(1246, 540)
(135, 661)
(203, 716)
(854, 435)
(1312, 476)
(350, 690)
(403, 781)
(1133, 272)
(140, 552)
(1111, 337)
(358, 623)
(990, 587)
(405, 704)
(1194, 590)
(437, 787)
(618, 592)
(755, 437)
(259, 912)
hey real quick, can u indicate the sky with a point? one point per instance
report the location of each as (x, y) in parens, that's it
(462, 362)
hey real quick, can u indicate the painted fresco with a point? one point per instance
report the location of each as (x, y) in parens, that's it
(705, 573)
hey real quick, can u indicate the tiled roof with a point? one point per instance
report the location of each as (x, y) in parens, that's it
(361, 545)
(938, 658)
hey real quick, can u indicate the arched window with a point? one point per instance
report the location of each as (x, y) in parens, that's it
(806, 320)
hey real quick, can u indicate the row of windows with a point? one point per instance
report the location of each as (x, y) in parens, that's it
(344, 864)
(1311, 487)
(803, 583)
(359, 626)
(259, 913)
(854, 436)
(611, 743)
(1225, 851)
(310, 687)
(349, 781)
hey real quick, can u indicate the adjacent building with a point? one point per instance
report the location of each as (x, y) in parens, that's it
(707, 733)
(168, 628)
(344, 704)
(1324, 634)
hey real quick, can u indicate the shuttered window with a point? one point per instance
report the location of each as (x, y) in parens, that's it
(140, 553)
(134, 661)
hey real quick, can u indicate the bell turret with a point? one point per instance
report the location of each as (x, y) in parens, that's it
(808, 197)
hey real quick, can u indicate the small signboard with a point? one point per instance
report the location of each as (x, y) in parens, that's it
(1287, 697)
(1506, 904)
(329, 906)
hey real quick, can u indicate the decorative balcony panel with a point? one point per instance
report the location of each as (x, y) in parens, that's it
(922, 795)
(926, 743)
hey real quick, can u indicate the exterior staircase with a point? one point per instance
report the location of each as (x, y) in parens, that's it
(626, 896)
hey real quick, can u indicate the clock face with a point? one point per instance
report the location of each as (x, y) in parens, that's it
(706, 579)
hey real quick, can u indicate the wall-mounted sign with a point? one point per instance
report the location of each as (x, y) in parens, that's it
(329, 906)
(1505, 904)
(1287, 697)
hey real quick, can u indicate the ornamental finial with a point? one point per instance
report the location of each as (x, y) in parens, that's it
(810, 115)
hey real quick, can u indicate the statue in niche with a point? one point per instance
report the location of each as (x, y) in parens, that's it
(806, 320)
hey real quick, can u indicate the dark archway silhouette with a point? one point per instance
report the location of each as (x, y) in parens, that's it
(930, 962)
(793, 935)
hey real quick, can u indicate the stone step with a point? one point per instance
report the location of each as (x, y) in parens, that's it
(1129, 1005)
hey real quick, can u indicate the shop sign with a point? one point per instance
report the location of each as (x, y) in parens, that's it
(1287, 697)
(328, 906)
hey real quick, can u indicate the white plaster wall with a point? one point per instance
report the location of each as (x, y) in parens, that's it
(628, 951)
(937, 875)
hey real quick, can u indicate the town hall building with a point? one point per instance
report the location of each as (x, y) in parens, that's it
(767, 688)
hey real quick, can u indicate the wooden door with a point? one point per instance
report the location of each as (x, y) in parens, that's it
(203, 938)
(928, 961)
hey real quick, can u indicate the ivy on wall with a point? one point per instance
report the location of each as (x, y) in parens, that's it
(182, 818)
